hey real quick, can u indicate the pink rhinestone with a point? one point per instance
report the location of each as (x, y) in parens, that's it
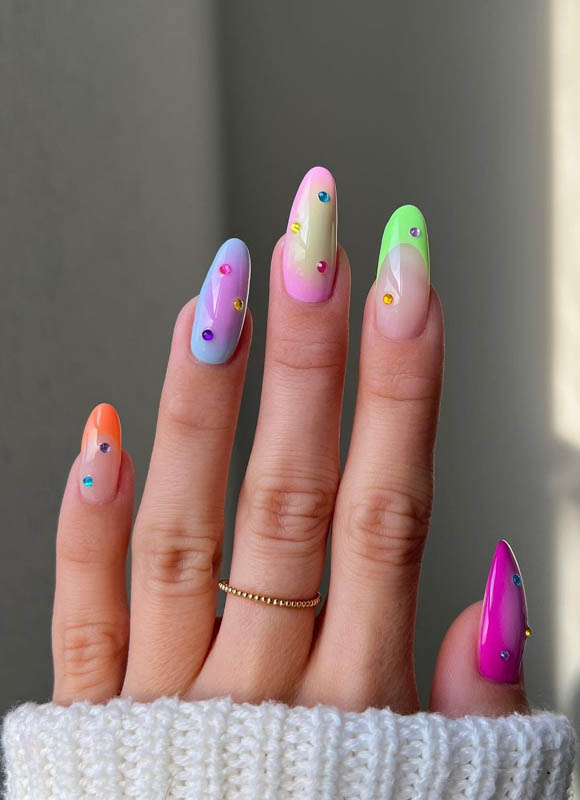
(225, 269)
(321, 266)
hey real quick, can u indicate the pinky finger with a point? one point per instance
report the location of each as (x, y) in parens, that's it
(90, 625)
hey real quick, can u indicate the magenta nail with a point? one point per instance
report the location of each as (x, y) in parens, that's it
(504, 619)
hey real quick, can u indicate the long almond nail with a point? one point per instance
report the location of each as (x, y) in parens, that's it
(100, 455)
(504, 619)
(309, 257)
(221, 308)
(403, 275)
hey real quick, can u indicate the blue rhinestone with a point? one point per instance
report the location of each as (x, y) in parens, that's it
(517, 580)
(87, 480)
(104, 447)
(504, 655)
(324, 197)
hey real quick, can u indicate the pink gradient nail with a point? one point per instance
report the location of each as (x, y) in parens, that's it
(100, 460)
(504, 619)
(309, 257)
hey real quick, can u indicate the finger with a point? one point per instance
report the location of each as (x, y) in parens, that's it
(290, 485)
(385, 496)
(90, 620)
(178, 532)
(479, 668)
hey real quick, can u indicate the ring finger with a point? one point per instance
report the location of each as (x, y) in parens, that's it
(178, 531)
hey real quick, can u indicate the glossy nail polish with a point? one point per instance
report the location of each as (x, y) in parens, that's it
(309, 256)
(100, 460)
(504, 619)
(402, 290)
(221, 308)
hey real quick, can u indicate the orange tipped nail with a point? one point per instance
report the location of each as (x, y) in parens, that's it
(100, 455)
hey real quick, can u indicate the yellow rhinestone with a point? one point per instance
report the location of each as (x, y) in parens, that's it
(238, 303)
(295, 227)
(387, 299)
(528, 633)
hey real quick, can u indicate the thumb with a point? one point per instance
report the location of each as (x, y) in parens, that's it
(478, 669)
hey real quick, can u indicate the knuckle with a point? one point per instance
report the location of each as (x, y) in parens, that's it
(293, 517)
(389, 528)
(302, 354)
(80, 546)
(178, 408)
(177, 561)
(90, 648)
(403, 386)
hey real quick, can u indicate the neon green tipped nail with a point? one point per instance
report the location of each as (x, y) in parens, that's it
(406, 226)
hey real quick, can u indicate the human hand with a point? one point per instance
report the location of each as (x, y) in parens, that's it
(359, 651)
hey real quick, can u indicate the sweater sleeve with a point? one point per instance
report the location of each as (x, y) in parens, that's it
(220, 750)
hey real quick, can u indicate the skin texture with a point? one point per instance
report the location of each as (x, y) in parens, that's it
(359, 651)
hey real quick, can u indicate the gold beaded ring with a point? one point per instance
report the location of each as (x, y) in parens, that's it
(271, 601)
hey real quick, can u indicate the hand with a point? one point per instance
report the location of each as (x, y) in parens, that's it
(359, 651)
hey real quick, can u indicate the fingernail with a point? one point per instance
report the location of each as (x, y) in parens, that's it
(221, 308)
(504, 619)
(403, 275)
(309, 257)
(101, 455)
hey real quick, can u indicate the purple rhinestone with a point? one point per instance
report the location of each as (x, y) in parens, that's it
(504, 655)
(207, 335)
(415, 232)
(104, 447)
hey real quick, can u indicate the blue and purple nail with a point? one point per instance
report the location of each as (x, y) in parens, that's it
(221, 308)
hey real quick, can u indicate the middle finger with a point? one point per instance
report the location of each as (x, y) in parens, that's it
(290, 486)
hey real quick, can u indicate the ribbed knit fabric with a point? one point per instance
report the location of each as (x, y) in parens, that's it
(220, 750)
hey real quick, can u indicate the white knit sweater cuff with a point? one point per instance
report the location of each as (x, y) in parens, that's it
(219, 749)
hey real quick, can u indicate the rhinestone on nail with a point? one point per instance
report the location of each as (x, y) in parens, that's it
(387, 299)
(207, 335)
(225, 269)
(517, 579)
(238, 303)
(87, 480)
(295, 227)
(105, 447)
(528, 631)
(324, 197)
(504, 655)
(321, 266)
(415, 232)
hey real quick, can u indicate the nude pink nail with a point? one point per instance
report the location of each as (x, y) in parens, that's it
(100, 460)
(504, 619)
(309, 256)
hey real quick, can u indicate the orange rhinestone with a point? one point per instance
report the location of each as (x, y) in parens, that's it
(238, 303)
(387, 299)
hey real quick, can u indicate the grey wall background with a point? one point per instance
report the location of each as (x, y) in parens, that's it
(134, 136)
